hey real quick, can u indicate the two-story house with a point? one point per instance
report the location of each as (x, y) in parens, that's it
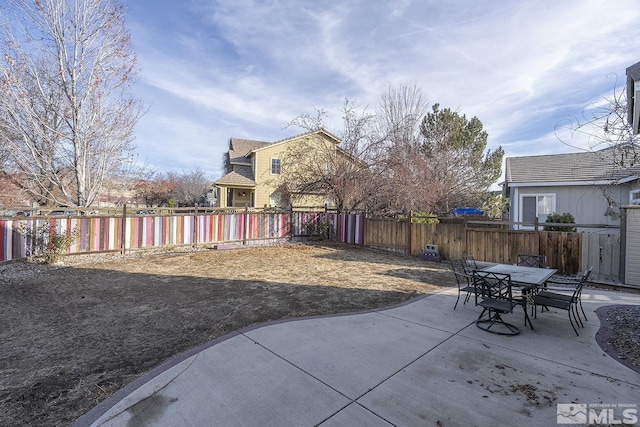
(254, 170)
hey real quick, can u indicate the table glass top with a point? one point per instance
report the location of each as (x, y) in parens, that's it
(530, 275)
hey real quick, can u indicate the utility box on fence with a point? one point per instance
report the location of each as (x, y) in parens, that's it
(431, 253)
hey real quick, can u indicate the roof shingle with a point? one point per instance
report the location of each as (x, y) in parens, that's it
(239, 148)
(241, 175)
(571, 167)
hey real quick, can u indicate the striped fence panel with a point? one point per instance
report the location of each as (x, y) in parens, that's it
(299, 221)
(348, 228)
(106, 234)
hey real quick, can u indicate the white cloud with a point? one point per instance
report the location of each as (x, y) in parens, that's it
(246, 68)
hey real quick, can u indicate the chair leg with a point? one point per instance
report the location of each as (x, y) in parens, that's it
(572, 325)
(457, 299)
(576, 315)
(582, 309)
(468, 297)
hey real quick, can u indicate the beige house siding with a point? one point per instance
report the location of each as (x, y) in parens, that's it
(258, 183)
(266, 183)
(586, 203)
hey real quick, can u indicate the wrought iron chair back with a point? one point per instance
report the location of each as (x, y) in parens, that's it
(494, 295)
(496, 286)
(563, 301)
(464, 279)
(529, 260)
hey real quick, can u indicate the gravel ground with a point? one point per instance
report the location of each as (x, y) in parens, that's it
(619, 335)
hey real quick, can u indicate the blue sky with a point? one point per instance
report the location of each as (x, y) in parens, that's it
(216, 69)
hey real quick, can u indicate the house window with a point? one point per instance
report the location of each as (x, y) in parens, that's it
(634, 197)
(537, 206)
(276, 166)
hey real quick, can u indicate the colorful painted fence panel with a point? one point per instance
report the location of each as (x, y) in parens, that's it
(91, 234)
(347, 228)
(106, 234)
(12, 242)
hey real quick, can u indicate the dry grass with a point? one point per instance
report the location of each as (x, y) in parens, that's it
(71, 336)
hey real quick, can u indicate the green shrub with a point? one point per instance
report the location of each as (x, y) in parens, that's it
(424, 218)
(494, 205)
(565, 218)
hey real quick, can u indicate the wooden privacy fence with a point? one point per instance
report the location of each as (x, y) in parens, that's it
(568, 252)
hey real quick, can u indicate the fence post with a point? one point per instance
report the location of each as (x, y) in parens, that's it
(245, 224)
(291, 223)
(123, 235)
(409, 229)
(195, 227)
(364, 229)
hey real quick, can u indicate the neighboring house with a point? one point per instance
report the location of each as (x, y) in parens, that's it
(591, 186)
(633, 93)
(254, 171)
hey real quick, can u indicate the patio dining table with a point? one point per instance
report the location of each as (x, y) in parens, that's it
(525, 278)
(530, 276)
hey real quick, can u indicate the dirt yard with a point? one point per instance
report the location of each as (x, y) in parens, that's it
(72, 335)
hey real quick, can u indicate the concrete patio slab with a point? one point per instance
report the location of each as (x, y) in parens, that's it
(467, 382)
(414, 364)
(355, 415)
(439, 313)
(236, 382)
(352, 354)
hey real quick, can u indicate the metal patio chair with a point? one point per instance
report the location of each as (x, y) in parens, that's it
(562, 287)
(463, 280)
(494, 295)
(562, 301)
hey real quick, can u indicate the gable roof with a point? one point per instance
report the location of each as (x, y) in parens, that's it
(578, 168)
(241, 175)
(302, 135)
(239, 150)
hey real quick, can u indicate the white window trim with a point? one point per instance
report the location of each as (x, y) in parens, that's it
(271, 165)
(520, 205)
(634, 197)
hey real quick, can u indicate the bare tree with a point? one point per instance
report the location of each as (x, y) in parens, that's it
(402, 158)
(158, 190)
(399, 116)
(610, 136)
(191, 187)
(345, 171)
(606, 127)
(65, 108)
